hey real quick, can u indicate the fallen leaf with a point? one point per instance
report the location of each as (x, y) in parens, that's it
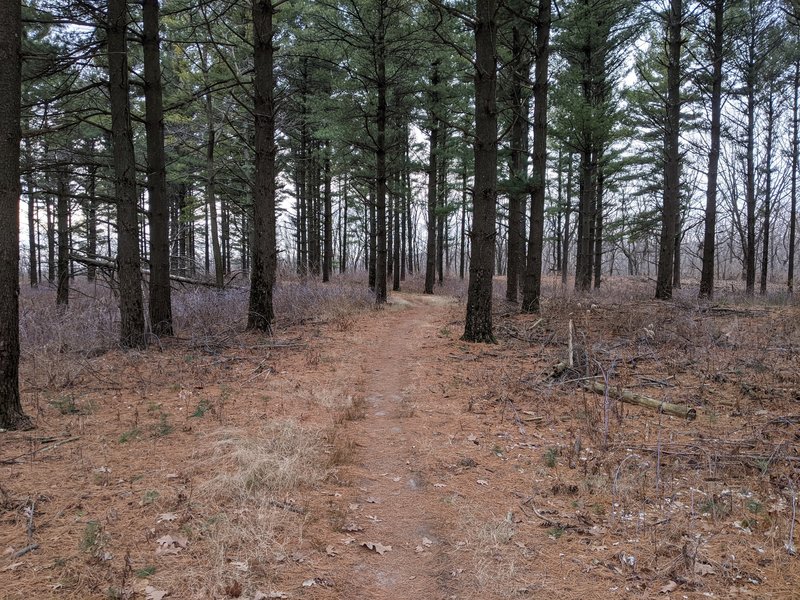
(169, 544)
(426, 542)
(703, 569)
(352, 527)
(670, 587)
(395, 479)
(348, 540)
(152, 593)
(438, 485)
(354, 506)
(12, 566)
(377, 547)
(309, 583)
(472, 438)
(419, 549)
(372, 500)
(331, 550)
(482, 482)
(166, 517)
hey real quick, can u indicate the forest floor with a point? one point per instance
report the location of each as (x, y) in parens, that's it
(372, 454)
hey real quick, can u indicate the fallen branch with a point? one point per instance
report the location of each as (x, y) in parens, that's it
(11, 461)
(109, 264)
(630, 397)
(25, 550)
(287, 506)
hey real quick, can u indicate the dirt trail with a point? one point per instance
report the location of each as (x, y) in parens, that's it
(391, 497)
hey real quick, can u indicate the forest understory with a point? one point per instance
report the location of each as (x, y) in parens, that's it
(369, 453)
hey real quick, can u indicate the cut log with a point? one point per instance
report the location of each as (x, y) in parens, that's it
(630, 397)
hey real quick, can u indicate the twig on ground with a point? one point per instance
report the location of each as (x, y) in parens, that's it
(25, 550)
(15, 459)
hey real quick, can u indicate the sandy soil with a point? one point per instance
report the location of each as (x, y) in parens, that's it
(486, 476)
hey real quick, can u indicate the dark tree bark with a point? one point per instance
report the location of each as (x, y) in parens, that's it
(478, 325)
(462, 246)
(441, 206)
(160, 295)
(264, 251)
(709, 233)
(793, 194)
(51, 240)
(343, 252)
(671, 206)
(380, 161)
(370, 239)
(62, 217)
(566, 236)
(533, 270)
(91, 222)
(518, 167)
(11, 413)
(585, 254)
(430, 247)
(131, 305)
(598, 224)
(327, 253)
(765, 237)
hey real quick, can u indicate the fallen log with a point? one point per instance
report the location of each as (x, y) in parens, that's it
(112, 266)
(630, 397)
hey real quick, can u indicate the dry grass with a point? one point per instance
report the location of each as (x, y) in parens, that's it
(252, 521)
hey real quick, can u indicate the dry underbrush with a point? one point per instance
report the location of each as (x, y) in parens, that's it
(690, 507)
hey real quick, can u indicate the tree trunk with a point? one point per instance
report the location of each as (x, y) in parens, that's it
(567, 211)
(327, 253)
(767, 190)
(433, 178)
(462, 246)
(709, 234)
(264, 251)
(371, 238)
(583, 263)
(51, 239)
(598, 225)
(211, 193)
(33, 271)
(397, 257)
(795, 147)
(441, 206)
(62, 215)
(478, 325)
(671, 206)
(518, 167)
(750, 166)
(380, 164)
(91, 222)
(131, 305)
(533, 270)
(343, 252)
(160, 306)
(11, 414)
